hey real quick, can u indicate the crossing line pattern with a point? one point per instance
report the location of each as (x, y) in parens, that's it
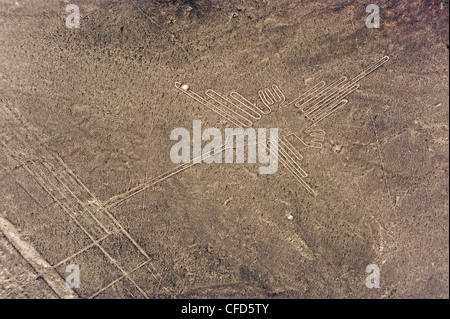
(27, 149)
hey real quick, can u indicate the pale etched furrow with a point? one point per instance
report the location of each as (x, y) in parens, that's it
(51, 189)
(295, 240)
(72, 184)
(235, 106)
(116, 200)
(60, 183)
(45, 168)
(309, 93)
(284, 142)
(35, 170)
(247, 105)
(320, 104)
(371, 68)
(298, 177)
(330, 101)
(316, 98)
(227, 115)
(292, 166)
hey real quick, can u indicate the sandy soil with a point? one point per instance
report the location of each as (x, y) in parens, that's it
(86, 116)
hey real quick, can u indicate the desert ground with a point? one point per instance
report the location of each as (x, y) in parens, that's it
(86, 178)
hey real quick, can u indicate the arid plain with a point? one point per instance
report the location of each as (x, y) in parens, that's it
(86, 116)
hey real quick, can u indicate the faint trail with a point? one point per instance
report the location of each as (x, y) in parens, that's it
(292, 239)
(382, 161)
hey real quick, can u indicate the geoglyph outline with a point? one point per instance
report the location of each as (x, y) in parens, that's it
(27, 148)
(316, 104)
